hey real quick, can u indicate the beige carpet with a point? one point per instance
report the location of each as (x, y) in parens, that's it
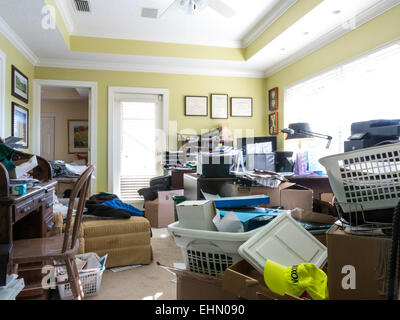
(147, 281)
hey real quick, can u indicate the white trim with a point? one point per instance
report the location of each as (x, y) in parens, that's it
(336, 33)
(266, 22)
(163, 69)
(37, 88)
(113, 133)
(3, 66)
(65, 15)
(17, 42)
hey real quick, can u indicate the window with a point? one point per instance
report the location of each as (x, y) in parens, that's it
(140, 117)
(364, 89)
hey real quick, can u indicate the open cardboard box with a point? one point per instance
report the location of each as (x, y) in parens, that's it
(289, 195)
(244, 281)
(160, 212)
(196, 286)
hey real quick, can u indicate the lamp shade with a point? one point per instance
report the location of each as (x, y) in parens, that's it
(298, 130)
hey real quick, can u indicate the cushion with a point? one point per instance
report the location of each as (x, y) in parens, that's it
(116, 241)
(98, 228)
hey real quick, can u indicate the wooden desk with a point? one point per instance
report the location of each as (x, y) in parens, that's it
(28, 216)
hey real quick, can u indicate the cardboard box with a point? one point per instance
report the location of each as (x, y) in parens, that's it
(22, 167)
(196, 286)
(160, 212)
(244, 281)
(289, 195)
(357, 266)
(197, 214)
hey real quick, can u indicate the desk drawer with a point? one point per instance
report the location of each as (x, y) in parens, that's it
(24, 208)
(44, 198)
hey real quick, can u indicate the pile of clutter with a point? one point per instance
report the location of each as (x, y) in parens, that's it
(228, 240)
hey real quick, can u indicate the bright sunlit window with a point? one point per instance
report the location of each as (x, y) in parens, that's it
(365, 89)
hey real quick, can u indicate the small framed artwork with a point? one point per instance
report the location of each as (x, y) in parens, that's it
(273, 99)
(20, 124)
(241, 107)
(196, 106)
(78, 136)
(273, 123)
(19, 85)
(219, 106)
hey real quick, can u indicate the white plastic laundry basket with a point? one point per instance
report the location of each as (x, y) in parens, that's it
(209, 252)
(91, 281)
(366, 179)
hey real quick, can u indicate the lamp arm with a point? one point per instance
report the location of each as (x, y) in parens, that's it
(317, 135)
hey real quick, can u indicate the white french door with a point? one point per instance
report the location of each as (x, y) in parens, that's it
(139, 126)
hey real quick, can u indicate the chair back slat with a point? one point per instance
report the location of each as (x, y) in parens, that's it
(80, 189)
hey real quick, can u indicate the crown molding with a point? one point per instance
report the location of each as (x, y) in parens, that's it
(266, 22)
(336, 33)
(65, 15)
(18, 43)
(163, 69)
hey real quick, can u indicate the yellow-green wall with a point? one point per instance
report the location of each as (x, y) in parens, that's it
(179, 86)
(14, 57)
(383, 29)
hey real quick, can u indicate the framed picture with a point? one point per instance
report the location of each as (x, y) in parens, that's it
(241, 107)
(219, 106)
(273, 99)
(196, 106)
(19, 85)
(78, 136)
(20, 124)
(273, 123)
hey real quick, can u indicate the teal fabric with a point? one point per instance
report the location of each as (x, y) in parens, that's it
(6, 154)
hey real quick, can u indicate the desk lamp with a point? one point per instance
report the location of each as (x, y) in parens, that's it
(302, 130)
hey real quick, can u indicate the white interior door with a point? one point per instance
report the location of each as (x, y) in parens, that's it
(47, 137)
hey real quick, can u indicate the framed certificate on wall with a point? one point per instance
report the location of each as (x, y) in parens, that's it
(219, 106)
(196, 106)
(241, 107)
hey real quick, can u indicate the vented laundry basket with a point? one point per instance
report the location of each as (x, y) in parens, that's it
(209, 252)
(365, 180)
(90, 279)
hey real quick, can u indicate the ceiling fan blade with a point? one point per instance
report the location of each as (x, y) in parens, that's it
(170, 10)
(221, 8)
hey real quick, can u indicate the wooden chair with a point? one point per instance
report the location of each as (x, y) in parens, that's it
(62, 247)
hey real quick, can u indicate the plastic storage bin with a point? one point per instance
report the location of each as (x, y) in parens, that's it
(283, 241)
(91, 281)
(366, 179)
(209, 252)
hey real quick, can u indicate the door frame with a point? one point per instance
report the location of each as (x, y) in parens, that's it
(92, 86)
(3, 59)
(54, 116)
(113, 130)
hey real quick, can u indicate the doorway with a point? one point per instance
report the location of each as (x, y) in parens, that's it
(137, 138)
(75, 130)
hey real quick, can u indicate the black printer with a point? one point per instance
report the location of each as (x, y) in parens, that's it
(367, 134)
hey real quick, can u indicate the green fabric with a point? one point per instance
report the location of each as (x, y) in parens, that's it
(6, 154)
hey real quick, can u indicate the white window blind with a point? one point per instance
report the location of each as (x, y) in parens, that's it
(364, 89)
(138, 161)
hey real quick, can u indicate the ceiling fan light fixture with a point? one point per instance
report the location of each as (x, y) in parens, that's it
(192, 6)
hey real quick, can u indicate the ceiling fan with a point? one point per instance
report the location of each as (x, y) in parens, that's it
(193, 6)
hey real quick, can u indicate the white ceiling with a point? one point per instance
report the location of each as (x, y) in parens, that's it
(23, 18)
(122, 20)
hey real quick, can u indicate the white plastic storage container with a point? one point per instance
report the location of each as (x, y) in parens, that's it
(283, 241)
(91, 281)
(366, 179)
(209, 252)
